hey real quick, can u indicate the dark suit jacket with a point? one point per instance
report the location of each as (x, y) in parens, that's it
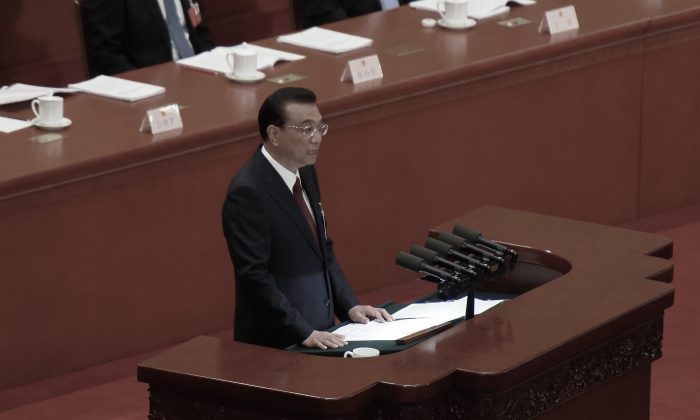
(121, 35)
(318, 12)
(288, 283)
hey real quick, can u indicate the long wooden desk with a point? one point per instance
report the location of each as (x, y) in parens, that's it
(579, 346)
(112, 241)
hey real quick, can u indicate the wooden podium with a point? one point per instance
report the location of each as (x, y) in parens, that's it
(577, 344)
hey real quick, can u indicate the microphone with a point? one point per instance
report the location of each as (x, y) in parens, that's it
(413, 263)
(447, 249)
(460, 242)
(476, 237)
(435, 258)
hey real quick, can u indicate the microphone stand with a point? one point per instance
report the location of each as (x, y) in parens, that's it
(471, 292)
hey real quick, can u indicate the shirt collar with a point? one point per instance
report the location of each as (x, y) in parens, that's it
(289, 177)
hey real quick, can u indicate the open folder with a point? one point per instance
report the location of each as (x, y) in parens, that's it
(216, 59)
(478, 9)
(413, 319)
(117, 88)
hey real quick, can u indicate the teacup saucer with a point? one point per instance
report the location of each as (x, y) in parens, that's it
(51, 127)
(464, 24)
(255, 77)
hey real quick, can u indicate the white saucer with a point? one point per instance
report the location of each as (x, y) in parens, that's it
(255, 77)
(63, 124)
(466, 23)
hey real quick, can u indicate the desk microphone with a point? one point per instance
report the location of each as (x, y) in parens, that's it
(476, 237)
(462, 243)
(413, 263)
(435, 258)
(448, 250)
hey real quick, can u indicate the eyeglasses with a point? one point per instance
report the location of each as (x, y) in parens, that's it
(310, 131)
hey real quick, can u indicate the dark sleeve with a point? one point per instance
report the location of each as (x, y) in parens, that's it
(105, 29)
(248, 234)
(318, 12)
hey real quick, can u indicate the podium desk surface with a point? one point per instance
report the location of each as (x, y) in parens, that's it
(607, 302)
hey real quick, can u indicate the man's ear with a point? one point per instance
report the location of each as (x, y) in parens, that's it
(273, 135)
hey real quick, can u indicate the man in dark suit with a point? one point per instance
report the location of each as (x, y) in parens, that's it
(318, 12)
(121, 35)
(289, 286)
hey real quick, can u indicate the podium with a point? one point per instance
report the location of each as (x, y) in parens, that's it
(576, 343)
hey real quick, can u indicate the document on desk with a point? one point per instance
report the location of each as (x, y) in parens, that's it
(216, 60)
(8, 125)
(413, 318)
(478, 9)
(19, 92)
(116, 88)
(326, 40)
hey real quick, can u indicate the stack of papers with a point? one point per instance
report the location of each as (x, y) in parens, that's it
(8, 125)
(19, 92)
(116, 88)
(215, 60)
(413, 318)
(326, 40)
(478, 9)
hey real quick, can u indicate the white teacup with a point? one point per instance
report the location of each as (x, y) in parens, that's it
(48, 110)
(362, 352)
(243, 61)
(453, 11)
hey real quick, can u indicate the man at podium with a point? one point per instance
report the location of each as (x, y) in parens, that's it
(289, 285)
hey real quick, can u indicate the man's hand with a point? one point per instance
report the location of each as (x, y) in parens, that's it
(323, 340)
(362, 314)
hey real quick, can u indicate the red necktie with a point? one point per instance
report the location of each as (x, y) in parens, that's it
(299, 197)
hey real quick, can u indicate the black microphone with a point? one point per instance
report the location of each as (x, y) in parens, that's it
(476, 237)
(435, 258)
(460, 242)
(447, 249)
(413, 263)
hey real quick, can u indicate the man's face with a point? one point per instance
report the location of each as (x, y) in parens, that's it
(291, 146)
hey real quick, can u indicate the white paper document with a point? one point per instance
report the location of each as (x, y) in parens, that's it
(19, 92)
(114, 87)
(215, 60)
(326, 40)
(8, 125)
(478, 9)
(413, 318)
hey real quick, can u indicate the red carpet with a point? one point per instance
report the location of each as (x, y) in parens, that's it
(110, 391)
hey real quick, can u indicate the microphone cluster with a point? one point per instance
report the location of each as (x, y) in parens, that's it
(458, 261)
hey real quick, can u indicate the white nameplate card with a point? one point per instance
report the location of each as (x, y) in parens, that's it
(559, 20)
(164, 118)
(362, 69)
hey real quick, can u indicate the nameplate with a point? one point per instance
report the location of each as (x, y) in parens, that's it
(362, 70)
(559, 20)
(162, 119)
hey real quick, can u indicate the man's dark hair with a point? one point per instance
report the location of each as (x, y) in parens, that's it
(272, 110)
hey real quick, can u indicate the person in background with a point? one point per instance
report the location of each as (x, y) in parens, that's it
(318, 12)
(289, 285)
(122, 35)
